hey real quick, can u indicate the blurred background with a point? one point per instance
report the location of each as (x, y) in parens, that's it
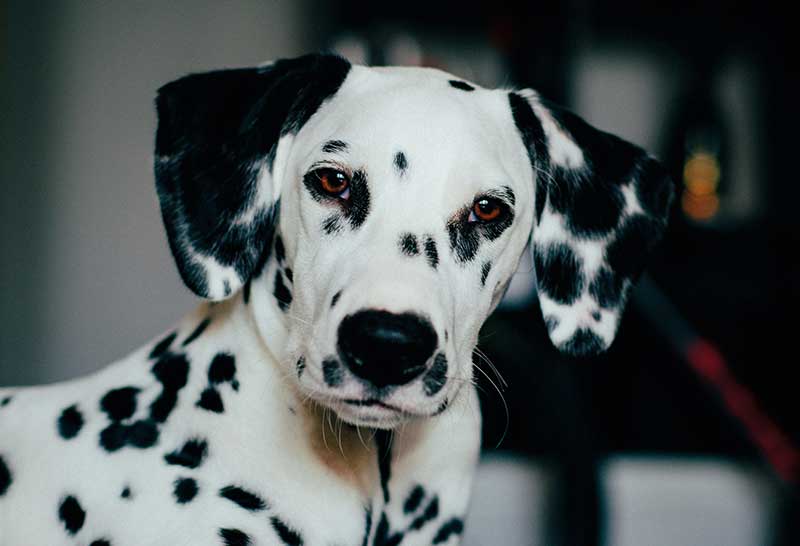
(685, 432)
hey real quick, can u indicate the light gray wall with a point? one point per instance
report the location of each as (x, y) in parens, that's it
(86, 274)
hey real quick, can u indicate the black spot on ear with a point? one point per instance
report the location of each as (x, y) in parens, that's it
(431, 513)
(243, 498)
(458, 84)
(143, 434)
(596, 316)
(100, 542)
(332, 224)
(246, 292)
(70, 422)
(634, 241)
(333, 146)
(190, 455)
(185, 490)
(357, 208)
(408, 244)
(533, 137)
(559, 272)
(607, 288)
(383, 442)
(234, 537)
(654, 188)
(300, 366)
(197, 332)
(431, 252)
(211, 400)
(332, 372)
(282, 293)
(163, 346)
(287, 535)
(280, 250)
(583, 343)
(222, 368)
(485, 269)
(435, 379)
(453, 526)
(5, 477)
(335, 298)
(119, 404)
(400, 163)
(413, 500)
(126, 493)
(551, 323)
(71, 514)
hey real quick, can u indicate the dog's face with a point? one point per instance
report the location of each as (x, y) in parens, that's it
(406, 198)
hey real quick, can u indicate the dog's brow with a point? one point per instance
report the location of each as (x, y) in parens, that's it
(333, 146)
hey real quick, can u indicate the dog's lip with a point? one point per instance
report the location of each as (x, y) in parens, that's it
(370, 402)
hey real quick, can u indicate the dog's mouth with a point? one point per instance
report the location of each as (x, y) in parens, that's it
(372, 412)
(370, 402)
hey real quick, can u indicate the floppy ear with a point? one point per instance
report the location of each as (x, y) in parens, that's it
(601, 205)
(216, 141)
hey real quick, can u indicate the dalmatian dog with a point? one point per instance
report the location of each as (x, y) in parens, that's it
(351, 229)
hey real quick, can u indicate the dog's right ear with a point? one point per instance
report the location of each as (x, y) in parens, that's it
(218, 133)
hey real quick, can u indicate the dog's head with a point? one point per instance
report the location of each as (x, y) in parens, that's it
(381, 212)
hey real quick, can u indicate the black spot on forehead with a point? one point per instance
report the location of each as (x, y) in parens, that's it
(243, 498)
(287, 535)
(431, 252)
(119, 403)
(222, 368)
(485, 269)
(458, 84)
(70, 422)
(5, 477)
(282, 293)
(185, 489)
(234, 537)
(452, 527)
(163, 346)
(332, 372)
(436, 377)
(71, 514)
(408, 244)
(400, 162)
(559, 272)
(191, 454)
(333, 146)
(210, 400)
(197, 331)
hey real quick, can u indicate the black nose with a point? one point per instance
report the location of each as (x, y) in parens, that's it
(384, 348)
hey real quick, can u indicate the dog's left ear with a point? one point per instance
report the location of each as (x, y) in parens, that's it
(218, 133)
(601, 205)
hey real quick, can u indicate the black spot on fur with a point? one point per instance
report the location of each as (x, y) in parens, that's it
(289, 275)
(197, 332)
(100, 542)
(282, 293)
(400, 162)
(607, 288)
(431, 252)
(71, 514)
(211, 400)
(5, 401)
(185, 490)
(114, 437)
(162, 406)
(453, 526)
(5, 477)
(119, 404)
(172, 372)
(431, 513)
(464, 238)
(245, 499)
(332, 372)
(408, 244)
(335, 298)
(280, 250)
(70, 422)
(596, 316)
(190, 455)
(163, 346)
(226, 287)
(234, 537)
(383, 535)
(222, 368)
(583, 343)
(367, 525)
(458, 84)
(287, 535)
(332, 224)
(383, 442)
(126, 493)
(300, 366)
(333, 146)
(551, 323)
(533, 137)
(357, 207)
(143, 434)
(634, 241)
(559, 272)
(485, 269)
(436, 377)
(414, 499)
(442, 407)
(246, 292)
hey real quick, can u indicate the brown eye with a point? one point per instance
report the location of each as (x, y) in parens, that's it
(487, 209)
(332, 182)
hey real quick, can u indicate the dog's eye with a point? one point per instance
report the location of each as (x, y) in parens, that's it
(487, 209)
(332, 182)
